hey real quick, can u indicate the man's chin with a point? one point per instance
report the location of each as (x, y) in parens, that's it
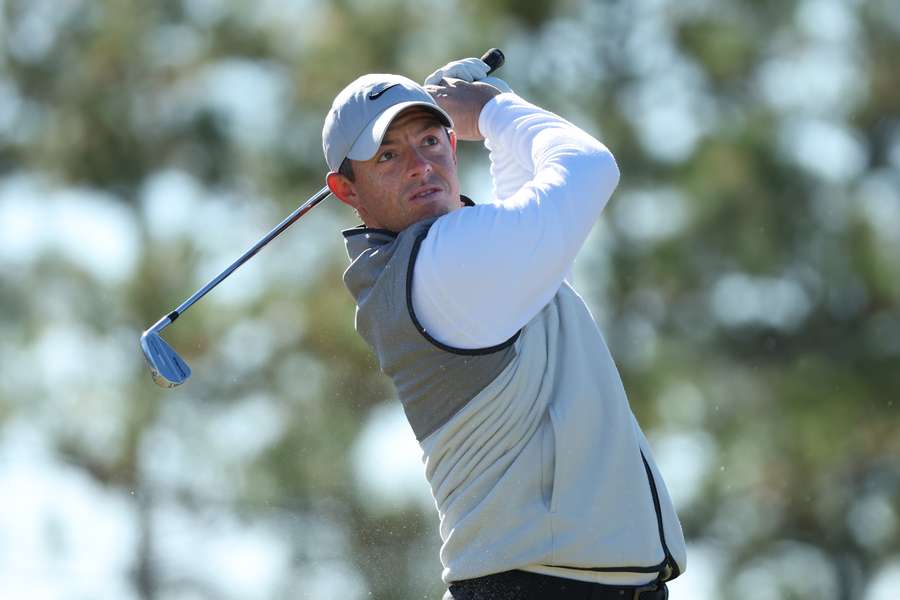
(437, 209)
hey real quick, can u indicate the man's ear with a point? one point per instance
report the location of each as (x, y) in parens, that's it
(452, 135)
(343, 189)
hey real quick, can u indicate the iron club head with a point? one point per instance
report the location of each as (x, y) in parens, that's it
(166, 367)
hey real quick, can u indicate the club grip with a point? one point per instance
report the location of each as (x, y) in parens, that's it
(494, 59)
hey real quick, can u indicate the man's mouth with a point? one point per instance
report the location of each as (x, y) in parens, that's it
(425, 193)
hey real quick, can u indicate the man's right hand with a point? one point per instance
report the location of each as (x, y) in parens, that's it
(463, 101)
(452, 87)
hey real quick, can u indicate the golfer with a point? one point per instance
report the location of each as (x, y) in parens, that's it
(544, 483)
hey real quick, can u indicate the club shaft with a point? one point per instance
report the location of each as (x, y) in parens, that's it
(276, 231)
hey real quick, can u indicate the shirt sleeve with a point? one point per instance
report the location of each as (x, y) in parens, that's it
(483, 272)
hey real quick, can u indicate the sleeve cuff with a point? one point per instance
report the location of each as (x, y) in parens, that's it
(489, 121)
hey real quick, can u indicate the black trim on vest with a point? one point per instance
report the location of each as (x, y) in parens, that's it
(673, 570)
(361, 228)
(668, 569)
(412, 314)
(650, 569)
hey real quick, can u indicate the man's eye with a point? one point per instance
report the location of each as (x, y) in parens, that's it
(431, 140)
(385, 156)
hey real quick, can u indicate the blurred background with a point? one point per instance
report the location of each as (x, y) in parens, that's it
(746, 274)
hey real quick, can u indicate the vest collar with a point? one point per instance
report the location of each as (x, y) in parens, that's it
(359, 238)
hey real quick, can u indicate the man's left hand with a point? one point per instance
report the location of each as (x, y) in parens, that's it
(467, 69)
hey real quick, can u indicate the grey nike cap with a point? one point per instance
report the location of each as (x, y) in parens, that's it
(363, 111)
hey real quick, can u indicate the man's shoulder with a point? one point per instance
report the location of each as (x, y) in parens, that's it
(375, 252)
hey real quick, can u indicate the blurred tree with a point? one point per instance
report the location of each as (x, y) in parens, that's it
(746, 272)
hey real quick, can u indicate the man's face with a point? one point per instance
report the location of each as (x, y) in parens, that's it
(412, 176)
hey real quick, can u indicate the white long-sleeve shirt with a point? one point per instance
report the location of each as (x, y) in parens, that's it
(483, 272)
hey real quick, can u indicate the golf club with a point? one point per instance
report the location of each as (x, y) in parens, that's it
(166, 367)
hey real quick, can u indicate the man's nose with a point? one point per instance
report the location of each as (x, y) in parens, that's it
(419, 164)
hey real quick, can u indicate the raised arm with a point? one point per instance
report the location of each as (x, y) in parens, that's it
(483, 272)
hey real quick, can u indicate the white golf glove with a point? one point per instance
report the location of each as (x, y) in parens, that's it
(467, 69)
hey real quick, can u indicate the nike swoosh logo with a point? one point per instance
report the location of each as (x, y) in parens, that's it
(376, 94)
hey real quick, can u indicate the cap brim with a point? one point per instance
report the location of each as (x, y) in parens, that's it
(366, 145)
